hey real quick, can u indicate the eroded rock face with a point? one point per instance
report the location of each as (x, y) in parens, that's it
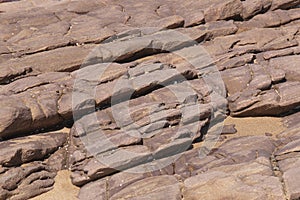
(22, 150)
(25, 182)
(139, 84)
(152, 188)
(244, 181)
(287, 157)
(29, 164)
(162, 122)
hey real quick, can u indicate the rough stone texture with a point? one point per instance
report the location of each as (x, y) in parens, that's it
(244, 181)
(139, 84)
(25, 182)
(160, 187)
(287, 157)
(22, 150)
(27, 165)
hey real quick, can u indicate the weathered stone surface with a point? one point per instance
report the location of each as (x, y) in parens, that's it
(194, 19)
(223, 10)
(94, 190)
(61, 59)
(244, 181)
(140, 99)
(271, 19)
(160, 187)
(22, 150)
(261, 39)
(292, 120)
(229, 129)
(232, 152)
(237, 79)
(210, 30)
(278, 100)
(289, 64)
(292, 185)
(287, 157)
(36, 109)
(280, 4)
(26, 181)
(109, 162)
(250, 8)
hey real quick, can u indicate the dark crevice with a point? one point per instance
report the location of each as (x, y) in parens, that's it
(292, 111)
(151, 51)
(122, 97)
(237, 18)
(57, 17)
(68, 31)
(156, 10)
(40, 130)
(7, 1)
(143, 53)
(49, 48)
(31, 87)
(14, 77)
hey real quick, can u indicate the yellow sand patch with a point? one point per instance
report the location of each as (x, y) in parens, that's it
(247, 126)
(256, 125)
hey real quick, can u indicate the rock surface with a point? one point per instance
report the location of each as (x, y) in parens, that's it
(143, 89)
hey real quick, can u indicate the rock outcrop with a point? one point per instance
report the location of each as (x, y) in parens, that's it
(143, 90)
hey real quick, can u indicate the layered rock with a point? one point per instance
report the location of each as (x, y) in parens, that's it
(29, 164)
(140, 84)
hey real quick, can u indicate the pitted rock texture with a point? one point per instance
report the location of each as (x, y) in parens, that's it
(138, 84)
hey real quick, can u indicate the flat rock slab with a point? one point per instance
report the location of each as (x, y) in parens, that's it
(287, 157)
(258, 183)
(22, 150)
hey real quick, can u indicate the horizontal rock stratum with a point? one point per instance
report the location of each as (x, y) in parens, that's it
(131, 96)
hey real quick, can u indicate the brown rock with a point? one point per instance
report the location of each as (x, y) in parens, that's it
(287, 157)
(94, 190)
(61, 59)
(229, 129)
(290, 64)
(223, 10)
(272, 102)
(252, 181)
(280, 4)
(194, 19)
(290, 178)
(236, 80)
(109, 162)
(292, 120)
(170, 22)
(22, 150)
(26, 181)
(159, 187)
(251, 8)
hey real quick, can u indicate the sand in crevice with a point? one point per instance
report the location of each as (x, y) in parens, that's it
(247, 126)
(63, 188)
(256, 125)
